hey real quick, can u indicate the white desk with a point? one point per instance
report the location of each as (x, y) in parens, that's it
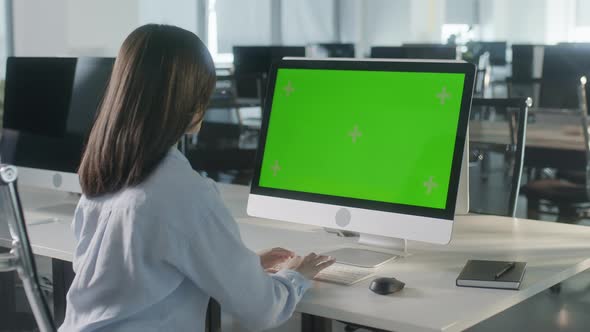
(544, 136)
(431, 301)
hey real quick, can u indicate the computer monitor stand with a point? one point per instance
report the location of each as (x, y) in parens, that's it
(373, 251)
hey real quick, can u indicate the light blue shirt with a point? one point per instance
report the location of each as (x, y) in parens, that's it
(148, 258)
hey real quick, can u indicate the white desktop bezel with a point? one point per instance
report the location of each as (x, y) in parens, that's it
(462, 203)
(48, 179)
(374, 222)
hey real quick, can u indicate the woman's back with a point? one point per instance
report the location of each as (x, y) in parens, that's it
(125, 277)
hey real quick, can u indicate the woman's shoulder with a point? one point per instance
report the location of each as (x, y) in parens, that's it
(174, 183)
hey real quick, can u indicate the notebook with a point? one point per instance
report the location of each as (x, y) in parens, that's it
(492, 274)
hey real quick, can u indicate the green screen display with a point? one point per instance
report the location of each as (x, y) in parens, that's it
(370, 135)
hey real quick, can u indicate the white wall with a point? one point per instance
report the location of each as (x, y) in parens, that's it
(99, 27)
(387, 22)
(90, 27)
(182, 13)
(243, 22)
(307, 21)
(40, 28)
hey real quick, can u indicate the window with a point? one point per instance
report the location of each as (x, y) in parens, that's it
(462, 33)
(461, 20)
(232, 23)
(581, 34)
(581, 31)
(308, 21)
(4, 40)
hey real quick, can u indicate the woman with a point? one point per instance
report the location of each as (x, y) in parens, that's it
(154, 240)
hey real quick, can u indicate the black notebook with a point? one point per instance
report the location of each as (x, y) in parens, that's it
(492, 274)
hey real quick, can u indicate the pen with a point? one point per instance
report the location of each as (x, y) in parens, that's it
(506, 268)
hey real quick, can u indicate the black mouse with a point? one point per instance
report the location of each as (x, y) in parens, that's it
(384, 286)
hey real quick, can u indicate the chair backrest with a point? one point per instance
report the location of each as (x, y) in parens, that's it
(21, 256)
(584, 98)
(498, 129)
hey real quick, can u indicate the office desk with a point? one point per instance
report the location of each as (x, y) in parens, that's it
(547, 145)
(431, 301)
(556, 137)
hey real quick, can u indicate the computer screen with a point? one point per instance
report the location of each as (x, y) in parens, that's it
(37, 94)
(369, 138)
(333, 50)
(252, 64)
(443, 52)
(388, 52)
(50, 105)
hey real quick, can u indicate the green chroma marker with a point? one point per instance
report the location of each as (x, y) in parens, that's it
(393, 144)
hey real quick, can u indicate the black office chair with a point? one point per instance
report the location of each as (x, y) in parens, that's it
(570, 194)
(497, 131)
(21, 256)
(225, 149)
(519, 87)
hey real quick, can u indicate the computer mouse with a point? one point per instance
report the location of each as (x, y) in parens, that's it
(385, 286)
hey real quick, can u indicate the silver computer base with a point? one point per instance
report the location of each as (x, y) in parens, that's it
(373, 251)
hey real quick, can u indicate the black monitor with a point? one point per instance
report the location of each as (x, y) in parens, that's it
(562, 68)
(441, 52)
(334, 50)
(252, 64)
(388, 52)
(50, 105)
(496, 49)
(522, 61)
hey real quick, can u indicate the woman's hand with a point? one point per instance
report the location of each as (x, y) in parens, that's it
(310, 265)
(271, 258)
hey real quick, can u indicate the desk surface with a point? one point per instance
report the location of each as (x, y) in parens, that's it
(546, 136)
(431, 301)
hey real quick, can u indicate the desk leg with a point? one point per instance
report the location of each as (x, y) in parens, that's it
(63, 275)
(7, 296)
(311, 323)
(213, 319)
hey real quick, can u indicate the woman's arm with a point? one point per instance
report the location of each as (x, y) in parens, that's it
(211, 253)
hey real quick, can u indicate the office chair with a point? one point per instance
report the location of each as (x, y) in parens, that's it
(225, 149)
(570, 194)
(497, 129)
(483, 77)
(21, 256)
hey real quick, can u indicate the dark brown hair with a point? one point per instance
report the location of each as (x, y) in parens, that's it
(160, 86)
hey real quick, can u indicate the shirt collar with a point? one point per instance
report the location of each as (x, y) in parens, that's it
(175, 153)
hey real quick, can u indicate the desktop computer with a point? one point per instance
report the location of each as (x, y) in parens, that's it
(49, 108)
(251, 66)
(369, 146)
(331, 50)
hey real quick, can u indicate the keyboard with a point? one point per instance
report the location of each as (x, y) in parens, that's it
(344, 274)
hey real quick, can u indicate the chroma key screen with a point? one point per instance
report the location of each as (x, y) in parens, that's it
(371, 135)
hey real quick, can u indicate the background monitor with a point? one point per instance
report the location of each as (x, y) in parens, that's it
(440, 52)
(252, 64)
(332, 50)
(50, 105)
(369, 146)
